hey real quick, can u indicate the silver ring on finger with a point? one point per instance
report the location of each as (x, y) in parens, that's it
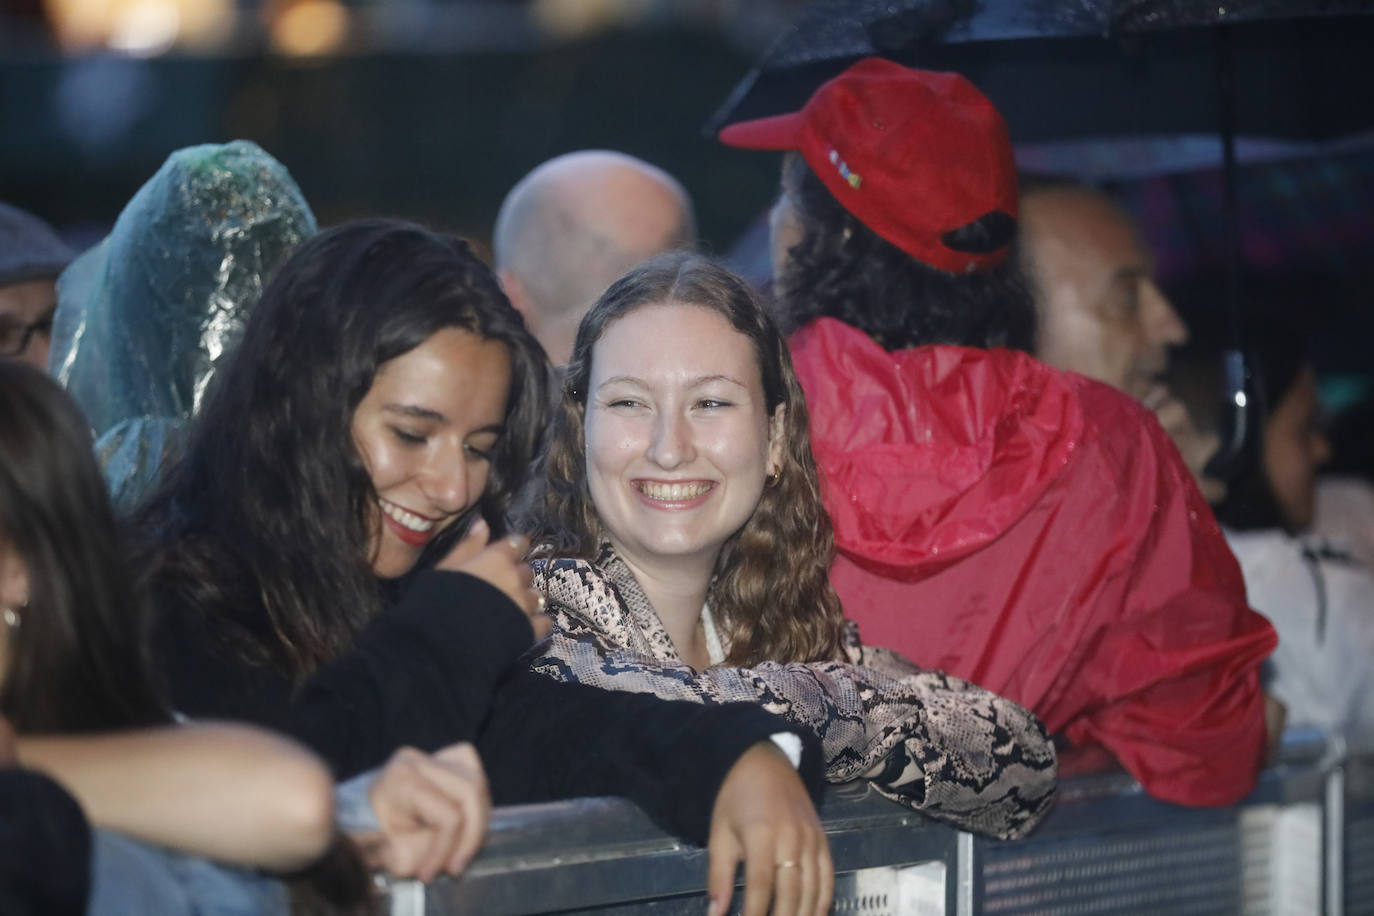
(790, 863)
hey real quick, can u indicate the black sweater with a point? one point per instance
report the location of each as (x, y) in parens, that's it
(45, 847)
(443, 666)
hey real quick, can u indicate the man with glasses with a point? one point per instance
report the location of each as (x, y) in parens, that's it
(31, 257)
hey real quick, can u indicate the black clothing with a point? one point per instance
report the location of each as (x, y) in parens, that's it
(443, 665)
(45, 847)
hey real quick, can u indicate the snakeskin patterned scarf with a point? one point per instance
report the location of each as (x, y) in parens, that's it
(945, 747)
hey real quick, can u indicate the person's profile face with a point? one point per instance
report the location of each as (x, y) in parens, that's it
(426, 431)
(1100, 312)
(26, 315)
(678, 434)
(1294, 449)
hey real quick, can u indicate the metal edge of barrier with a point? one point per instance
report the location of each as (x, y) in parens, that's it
(1333, 840)
(1110, 847)
(1354, 881)
(606, 854)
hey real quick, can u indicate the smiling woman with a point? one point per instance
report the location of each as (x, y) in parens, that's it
(685, 552)
(680, 442)
(319, 558)
(426, 430)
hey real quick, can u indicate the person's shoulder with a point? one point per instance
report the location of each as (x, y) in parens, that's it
(1113, 412)
(576, 574)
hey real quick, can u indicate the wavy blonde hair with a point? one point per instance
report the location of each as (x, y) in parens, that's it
(771, 590)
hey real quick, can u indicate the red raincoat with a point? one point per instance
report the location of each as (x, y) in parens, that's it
(1037, 533)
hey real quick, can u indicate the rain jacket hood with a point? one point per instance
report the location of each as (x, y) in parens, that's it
(145, 317)
(1036, 533)
(931, 454)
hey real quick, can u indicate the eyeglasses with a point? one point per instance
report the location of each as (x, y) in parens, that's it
(15, 337)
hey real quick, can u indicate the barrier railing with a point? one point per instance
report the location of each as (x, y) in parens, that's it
(1301, 843)
(1355, 873)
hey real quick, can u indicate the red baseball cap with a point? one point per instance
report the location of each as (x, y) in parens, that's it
(912, 154)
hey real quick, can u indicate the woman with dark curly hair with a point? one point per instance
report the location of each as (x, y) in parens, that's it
(686, 549)
(320, 561)
(1012, 524)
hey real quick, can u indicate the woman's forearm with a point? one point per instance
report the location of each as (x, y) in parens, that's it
(231, 793)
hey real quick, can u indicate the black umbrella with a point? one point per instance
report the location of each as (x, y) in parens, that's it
(1063, 69)
(1070, 68)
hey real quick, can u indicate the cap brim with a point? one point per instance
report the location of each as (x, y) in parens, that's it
(776, 132)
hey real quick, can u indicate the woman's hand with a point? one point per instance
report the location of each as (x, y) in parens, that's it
(502, 564)
(433, 810)
(764, 816)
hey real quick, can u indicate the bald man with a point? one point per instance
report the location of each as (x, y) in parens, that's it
(575, 225)
(1100, 312)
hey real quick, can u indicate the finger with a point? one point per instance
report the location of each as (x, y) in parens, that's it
(1155, 396)
(760, 873)
(471, 833)
(476, 802)
(458, 774)
(457, 770)
(403, 854)
(542, 624)
(463, 755)
(470, 546)
(825, 894)
(807, 881)
(438, 844)
(722, 853)
(789, 864)
(444, 819)
(518, 544)
(371, 845)
(389, 793)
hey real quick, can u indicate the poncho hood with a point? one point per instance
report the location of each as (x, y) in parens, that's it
(929, 454)
(146, 317)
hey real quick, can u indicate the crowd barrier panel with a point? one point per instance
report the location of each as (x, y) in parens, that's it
(1353, 813)
(1301, 843)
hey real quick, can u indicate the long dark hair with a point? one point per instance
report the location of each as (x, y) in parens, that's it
(841, 269)
(771, 587)
(76, 660)
(270, 506)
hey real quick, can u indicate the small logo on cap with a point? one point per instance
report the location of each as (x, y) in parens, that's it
(843, 167)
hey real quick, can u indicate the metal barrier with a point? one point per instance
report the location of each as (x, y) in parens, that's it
(1302, 843)
(1355, 871)
(1109, 848)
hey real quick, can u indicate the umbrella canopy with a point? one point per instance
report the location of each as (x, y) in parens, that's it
(1069, 68)
(1062, 69)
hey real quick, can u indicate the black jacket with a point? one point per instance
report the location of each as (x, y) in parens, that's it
(442, 665)
(45, 847)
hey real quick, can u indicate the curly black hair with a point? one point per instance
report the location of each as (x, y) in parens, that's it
(842, 269)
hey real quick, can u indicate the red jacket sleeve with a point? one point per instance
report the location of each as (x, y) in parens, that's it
(1173, 689)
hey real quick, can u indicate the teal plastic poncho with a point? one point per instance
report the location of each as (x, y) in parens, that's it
(145, 318)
